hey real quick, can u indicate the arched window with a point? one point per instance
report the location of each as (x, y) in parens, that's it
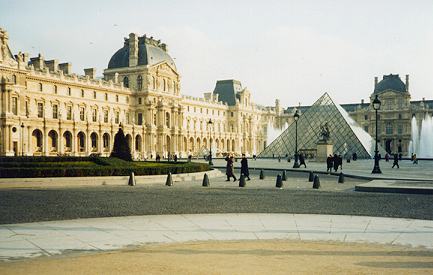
(126, 82)
(139, 83)
(14, 79)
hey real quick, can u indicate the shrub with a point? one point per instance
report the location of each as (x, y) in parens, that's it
(120, 147)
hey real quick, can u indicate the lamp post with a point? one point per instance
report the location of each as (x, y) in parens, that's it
(22, 139)
(376, 168)
(210, 141)
(296, 117)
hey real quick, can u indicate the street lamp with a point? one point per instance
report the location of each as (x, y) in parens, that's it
(376, 169)
(22, 139)
(296, 117)
(210, 141)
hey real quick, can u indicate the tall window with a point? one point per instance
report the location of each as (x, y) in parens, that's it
(388, 128)
(40, 109)
(154, 119)
(117, 98)
(55, 111)
(140, 119)
(69, 91)
(167, 120)
(15, 105)
(105, 116)
(106, 96)
(69, 113)
(94, 94)
(126, 82)
(140, 100)
(82, 113)
(116, 118)
(400, 129)
(127, 118)
(55, 89)
(164, 82)
(40, 87)
(14, 79)
(139, 83)
(82, 93)
(95, 115)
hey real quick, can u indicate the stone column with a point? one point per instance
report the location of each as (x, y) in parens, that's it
(100, 140)
(74, 141)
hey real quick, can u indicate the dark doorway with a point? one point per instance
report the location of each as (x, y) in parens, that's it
(388, 145)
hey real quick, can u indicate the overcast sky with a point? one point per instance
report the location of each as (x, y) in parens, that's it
(291, 50)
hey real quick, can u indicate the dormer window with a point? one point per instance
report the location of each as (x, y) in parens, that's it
(126, 82)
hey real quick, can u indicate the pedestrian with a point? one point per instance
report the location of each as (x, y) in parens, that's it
(386, 157)
(175, 158)
(158, 158)
(302, 160)
(279, 158)
(395, 161)
(340, 162)
(244, 167)
(229, 168)
(189, 158)
(329, 164)
(414, 159)
(335, 162)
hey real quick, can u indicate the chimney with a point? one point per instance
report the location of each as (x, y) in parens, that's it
(53, 65)
(66, 68)
(90, 72)
(133, 50)
(407, 83)
(37, 62)
(375, 82)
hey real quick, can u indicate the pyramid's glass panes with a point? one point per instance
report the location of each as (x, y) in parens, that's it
(346, 136)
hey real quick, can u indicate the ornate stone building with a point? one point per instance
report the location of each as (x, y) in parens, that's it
(45, 109)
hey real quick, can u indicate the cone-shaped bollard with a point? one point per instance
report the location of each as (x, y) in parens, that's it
(131, 181)
(279, 182)
(341, 178)
(262, 175)
(284, 176)
(205, 181)
(311, 176)
(316, 182)
(169, 181)
(242, 181)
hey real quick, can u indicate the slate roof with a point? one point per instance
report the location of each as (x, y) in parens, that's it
(227, 90)
(390, 82)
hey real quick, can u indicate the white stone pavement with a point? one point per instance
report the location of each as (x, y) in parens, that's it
(27, 240)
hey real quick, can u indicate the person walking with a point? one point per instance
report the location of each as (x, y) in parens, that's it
(302, 160)
(244, 167)
(329, 164)
(229, 168)
(395, 161)
(335, 162)
(414, 159)
(340, 162)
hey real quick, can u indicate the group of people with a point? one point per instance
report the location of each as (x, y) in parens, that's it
(334, 162)
(230, 170)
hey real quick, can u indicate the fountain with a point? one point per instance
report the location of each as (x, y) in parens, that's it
(422, 140)
(272, 133)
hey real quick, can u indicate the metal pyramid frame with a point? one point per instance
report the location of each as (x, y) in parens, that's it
(346, 135)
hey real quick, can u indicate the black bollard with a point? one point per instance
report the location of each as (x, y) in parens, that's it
(242, 181)
(316, 182)
(262, 174)
(341, 178)
(279, 183)
(284, 176)
(311, 176)
(288, 159)
(205, 181)
(169, 181)
(131, 181)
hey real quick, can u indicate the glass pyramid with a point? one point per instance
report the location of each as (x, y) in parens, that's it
(345, 134)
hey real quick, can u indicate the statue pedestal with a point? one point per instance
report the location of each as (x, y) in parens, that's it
(324, 149)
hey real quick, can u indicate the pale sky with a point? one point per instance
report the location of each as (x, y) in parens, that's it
(291, 50)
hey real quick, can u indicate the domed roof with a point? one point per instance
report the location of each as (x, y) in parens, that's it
(390, 82)
(150, 52)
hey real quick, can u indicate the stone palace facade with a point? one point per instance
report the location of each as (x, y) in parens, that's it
(46, 110)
